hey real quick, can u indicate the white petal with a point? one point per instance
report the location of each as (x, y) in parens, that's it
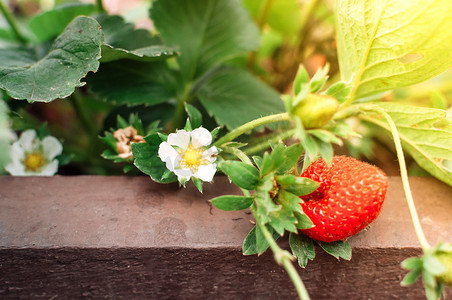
(26, 140)
(52, 147)
(183, 173)
(165, 151)
(49, 169)
(16, 152)
(206, 172)
(181, 139)
(16, 169)
(201, 137)
(210, 154)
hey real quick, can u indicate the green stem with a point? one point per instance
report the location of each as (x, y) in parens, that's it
(238, 153)
(265, 144)
(251, 125)
(284, 258)
(12, 22)
(404, 175)
(100, 6)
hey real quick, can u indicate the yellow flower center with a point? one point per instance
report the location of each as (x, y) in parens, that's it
(191, 158)
(34, 161)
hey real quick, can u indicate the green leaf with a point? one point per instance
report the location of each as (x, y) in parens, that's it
(234, 97)
(387, 44)
(257, 245)
(241, 174)
(204, 32)
(149, 54)
(302, 248)
(51, 23)
(297, 185)
(148, 161)
(123, 35)
(426, 133)
(337, 249)
(194, 115)
(134, 83)
(74, 53)
(232, 202)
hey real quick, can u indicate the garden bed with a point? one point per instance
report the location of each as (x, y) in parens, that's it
(127, 237)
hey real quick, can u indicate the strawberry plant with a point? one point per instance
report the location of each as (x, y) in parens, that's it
(251, 89)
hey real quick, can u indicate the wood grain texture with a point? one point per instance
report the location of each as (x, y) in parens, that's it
(217, 273)
(100, 237)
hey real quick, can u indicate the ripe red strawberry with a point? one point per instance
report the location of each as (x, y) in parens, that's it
(349, 198)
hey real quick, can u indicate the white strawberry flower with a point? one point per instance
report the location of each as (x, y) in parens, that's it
(186, 154)
(31, 156)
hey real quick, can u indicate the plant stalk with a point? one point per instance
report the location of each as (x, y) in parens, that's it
(284, 258)
(251, 125)
(404, 175)
(12, 22)
(264, 145)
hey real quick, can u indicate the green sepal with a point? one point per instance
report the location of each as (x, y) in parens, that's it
(232, 202)
(412, 263)
(297, 185)
(127, 168)
(339, 249)
(257, 161)
(340, 90)
(198, 183)
(302, 248)
(325, 150)
(319, 78)
(241, 174)
(301, 79)
(194, 115)
(303, 221)
(326, 136)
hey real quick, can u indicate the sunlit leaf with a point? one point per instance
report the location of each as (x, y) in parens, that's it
(387, 44)
(426, 133)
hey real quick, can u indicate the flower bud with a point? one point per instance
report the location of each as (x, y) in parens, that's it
(315, 111)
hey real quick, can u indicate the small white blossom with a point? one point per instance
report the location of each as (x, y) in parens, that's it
(186, 154)
(31, 156)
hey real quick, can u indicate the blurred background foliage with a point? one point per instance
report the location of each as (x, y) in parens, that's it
(292, 32)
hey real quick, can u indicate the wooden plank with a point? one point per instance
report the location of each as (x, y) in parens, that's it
(122, 237)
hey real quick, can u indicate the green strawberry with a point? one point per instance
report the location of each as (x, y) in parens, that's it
(349, 198)
(315, 111)
(446, 260)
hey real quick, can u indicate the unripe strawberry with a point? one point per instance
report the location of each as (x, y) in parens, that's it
(349, 198)
(315, 111)
(446, 260)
